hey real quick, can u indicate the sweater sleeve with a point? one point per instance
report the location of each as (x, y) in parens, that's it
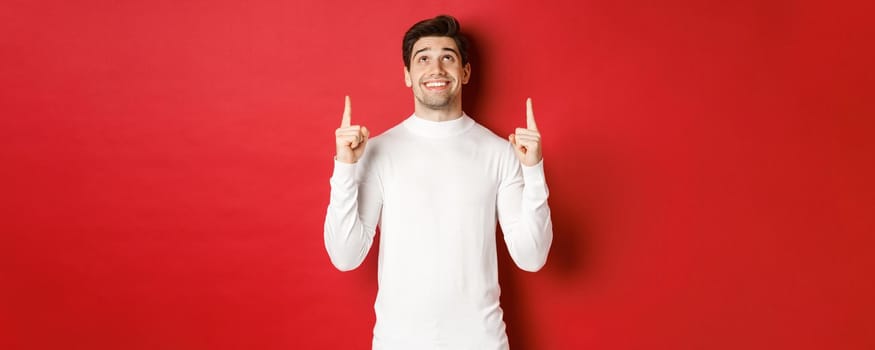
(352, 215)
(524, 214)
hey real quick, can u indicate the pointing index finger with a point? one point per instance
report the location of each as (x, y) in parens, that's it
(347, 113)
(530, 116)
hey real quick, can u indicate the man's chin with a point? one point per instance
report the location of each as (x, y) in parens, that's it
(436, 104)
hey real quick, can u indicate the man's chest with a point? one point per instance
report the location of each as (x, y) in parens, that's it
(453, 176)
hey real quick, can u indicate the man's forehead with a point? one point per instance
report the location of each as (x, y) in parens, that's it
(435, 43)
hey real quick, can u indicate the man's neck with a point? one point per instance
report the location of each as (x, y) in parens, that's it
(439, 115)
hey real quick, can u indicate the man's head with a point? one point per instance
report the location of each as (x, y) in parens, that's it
(436, 63)
(442, 25)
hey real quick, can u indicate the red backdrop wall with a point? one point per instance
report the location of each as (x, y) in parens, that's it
(165, 169)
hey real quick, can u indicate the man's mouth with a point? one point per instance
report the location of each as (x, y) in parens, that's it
(436, 84)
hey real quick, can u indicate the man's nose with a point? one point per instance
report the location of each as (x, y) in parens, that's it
(438, 68)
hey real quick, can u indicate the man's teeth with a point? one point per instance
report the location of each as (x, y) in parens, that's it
(436, 83)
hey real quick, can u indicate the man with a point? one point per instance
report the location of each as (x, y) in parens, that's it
(435, 185)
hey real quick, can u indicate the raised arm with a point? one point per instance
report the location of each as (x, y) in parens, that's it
(355, 202)
(522, 199)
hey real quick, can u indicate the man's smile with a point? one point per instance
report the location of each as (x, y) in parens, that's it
(436, 85)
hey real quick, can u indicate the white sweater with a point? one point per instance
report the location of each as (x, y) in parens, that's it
(436, 189)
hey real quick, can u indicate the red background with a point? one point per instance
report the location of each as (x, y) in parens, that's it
(165, 169)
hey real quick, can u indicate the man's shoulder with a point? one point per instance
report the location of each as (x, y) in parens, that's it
(385, 142)
(389, 135)
(488, 137)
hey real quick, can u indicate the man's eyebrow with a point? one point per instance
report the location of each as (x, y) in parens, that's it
(429, 48)
(421, 50)
(451, 49)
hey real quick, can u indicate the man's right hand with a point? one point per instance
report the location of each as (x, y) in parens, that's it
(350, 140)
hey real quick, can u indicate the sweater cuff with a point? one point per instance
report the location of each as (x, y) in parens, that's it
(534, 174)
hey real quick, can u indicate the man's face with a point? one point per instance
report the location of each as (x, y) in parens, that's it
(436, 73)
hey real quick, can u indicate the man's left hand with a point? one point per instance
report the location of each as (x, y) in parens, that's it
(527, 142)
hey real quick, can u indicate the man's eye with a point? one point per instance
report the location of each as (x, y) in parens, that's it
(448, 58)
(423, 58)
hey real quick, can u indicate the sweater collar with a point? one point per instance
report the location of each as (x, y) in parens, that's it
(432, 129)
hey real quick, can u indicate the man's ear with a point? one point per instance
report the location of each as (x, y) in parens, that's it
(407, 80)
(466, 73)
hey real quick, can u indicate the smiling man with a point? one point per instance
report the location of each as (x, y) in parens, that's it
(436, 73)
(436, 184)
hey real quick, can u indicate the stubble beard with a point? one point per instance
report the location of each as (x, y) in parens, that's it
(436, 103)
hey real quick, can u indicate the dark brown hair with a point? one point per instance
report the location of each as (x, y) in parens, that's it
(442, 25)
